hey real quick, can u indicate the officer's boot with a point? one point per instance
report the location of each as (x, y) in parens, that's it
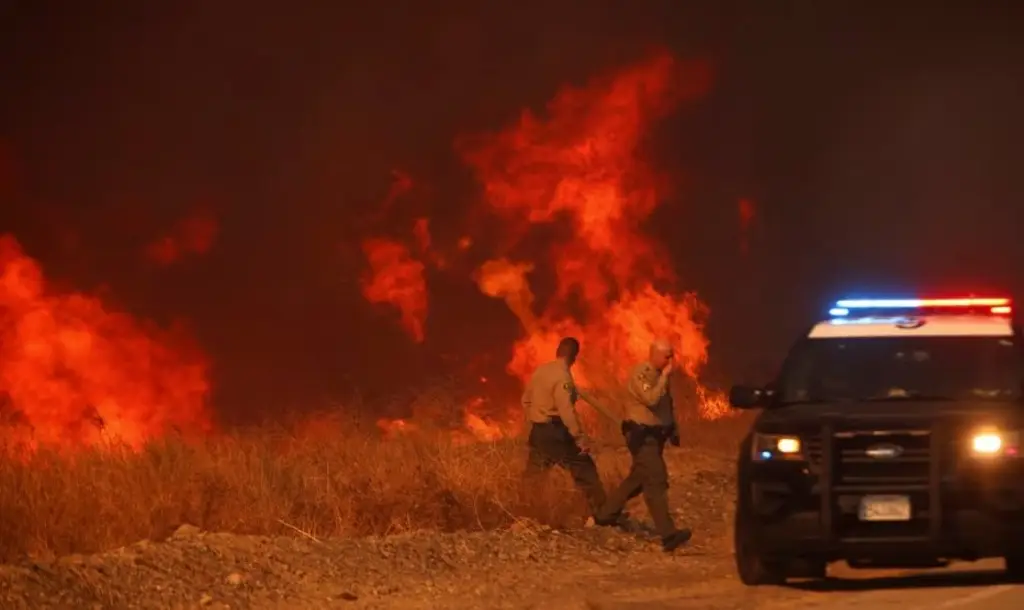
(675, 540)
(619, 519)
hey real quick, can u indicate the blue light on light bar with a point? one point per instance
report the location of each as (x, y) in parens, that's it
(839, 311)
(879, 304)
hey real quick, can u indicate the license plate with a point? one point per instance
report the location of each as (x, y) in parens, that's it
(885, 508)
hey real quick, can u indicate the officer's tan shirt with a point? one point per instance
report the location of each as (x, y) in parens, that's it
(551, 392)
(650, 401)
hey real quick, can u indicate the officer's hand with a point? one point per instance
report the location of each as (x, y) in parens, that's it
(671, 366)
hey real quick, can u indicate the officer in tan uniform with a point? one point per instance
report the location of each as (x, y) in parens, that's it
(556, 438)
(649, 424)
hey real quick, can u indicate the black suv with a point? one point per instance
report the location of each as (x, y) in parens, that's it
(898, 450)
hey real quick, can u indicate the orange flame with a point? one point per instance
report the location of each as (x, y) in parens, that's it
(502, 279)
(397, 279)
(583, 164)
(74, 372)
(394, 427)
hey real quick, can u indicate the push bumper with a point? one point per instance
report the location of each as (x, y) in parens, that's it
(959, 509)
(968, 534)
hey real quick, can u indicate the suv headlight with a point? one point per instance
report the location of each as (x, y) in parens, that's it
(776, 447)
(995, 443)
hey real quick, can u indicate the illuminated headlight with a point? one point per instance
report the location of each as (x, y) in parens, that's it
(992, 443)
(772, 447)
(987, 444)
(788, 445)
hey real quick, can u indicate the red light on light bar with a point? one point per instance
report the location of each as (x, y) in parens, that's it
(970, 302)
(1002, 309)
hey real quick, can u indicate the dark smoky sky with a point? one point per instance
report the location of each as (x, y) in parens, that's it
(881, 142)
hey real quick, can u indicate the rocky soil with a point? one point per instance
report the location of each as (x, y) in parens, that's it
(527, 566)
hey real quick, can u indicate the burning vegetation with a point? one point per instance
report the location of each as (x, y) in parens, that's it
(130, 398)
(75, 373)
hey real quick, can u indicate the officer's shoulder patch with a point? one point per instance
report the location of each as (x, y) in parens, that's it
(643, 376)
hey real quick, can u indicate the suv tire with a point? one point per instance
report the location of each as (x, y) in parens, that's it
(751, 565)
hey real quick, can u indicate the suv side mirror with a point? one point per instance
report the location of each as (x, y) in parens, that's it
(748, 397)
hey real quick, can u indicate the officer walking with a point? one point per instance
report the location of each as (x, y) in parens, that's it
(556, 438)
(650, 422)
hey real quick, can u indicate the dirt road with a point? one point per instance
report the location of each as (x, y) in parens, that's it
(593, 570)
(979, 586)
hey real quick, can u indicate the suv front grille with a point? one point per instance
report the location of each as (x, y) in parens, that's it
(890, 458)
(872, 462)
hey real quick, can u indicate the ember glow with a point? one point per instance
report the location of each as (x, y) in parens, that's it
(73, 372)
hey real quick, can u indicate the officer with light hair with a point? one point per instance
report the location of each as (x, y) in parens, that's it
(650, 423)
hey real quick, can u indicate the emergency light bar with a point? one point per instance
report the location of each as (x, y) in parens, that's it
(997, 306)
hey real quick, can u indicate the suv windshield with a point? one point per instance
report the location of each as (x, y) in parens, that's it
(895, 368)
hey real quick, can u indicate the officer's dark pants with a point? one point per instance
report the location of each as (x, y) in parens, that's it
(551, 444)
(647, 475)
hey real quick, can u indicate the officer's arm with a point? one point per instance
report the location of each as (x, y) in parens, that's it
(566, 409)
(648, 396)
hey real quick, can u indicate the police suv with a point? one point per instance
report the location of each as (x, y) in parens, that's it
(890, 438)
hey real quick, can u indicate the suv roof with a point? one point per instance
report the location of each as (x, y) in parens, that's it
(957, 317)
(914, 326)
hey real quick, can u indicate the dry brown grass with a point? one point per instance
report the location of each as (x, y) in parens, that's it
(327, 477)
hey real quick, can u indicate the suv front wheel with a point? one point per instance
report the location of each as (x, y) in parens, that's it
(753, 568)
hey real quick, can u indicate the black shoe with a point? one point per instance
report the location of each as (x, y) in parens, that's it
(675, 540)
(616, 520)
